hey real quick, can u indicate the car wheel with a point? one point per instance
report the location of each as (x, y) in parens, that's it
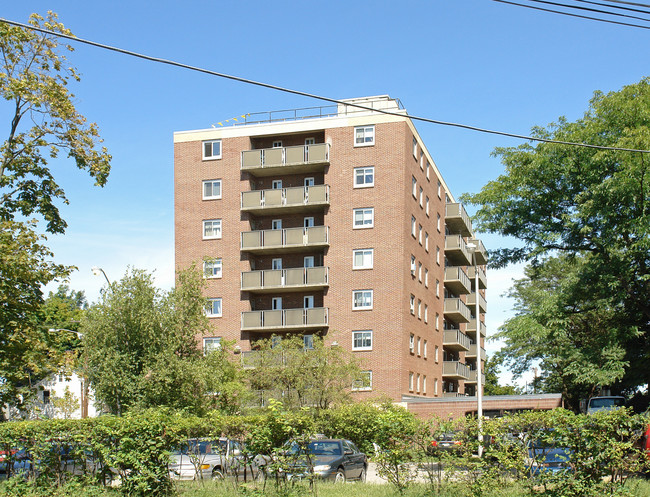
(363, 475)
(217, 474)
(340, 476)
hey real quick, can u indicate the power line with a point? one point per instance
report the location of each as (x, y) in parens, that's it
(629, 9)
(631, 3)
(589, 9)
(311, 95)
(573, 15)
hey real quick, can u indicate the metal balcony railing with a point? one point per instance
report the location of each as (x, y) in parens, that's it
(457, 311)
(285, 239)
(455, 340)
(285, 319)
(482, 278)
(271, 280)
(471, 353)
(470, 328)
(457, 219)
(285, 199)
(455, 369)
(471, 302)
(285, 160)
(456, 251)
(457, 281)
(481, 253)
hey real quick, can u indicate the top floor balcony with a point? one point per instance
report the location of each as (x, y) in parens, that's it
(286, 160)
(286, 200)
(457, 219)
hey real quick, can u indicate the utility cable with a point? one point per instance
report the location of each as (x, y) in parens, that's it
(601, 4)
(573, 15)
(311, 95)
(630, 3)
(589, 9)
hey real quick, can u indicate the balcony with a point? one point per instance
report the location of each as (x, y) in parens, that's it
(473, 377)
(457, 281)
(286, 160)
(471, 353)
(470, 328)
(455, 370)
(456, 251)
(457, 220)
(285, 240)
(285, 280)
(286, 200)
(452, 394)
(481, 253)
(482, 279)
(457, 311)
(471, 302)
(455, 340)
(285, 319)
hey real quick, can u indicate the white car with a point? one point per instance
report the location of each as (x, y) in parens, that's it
(213, 459)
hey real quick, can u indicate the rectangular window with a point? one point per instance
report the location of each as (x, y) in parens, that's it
(412, 304)
(277, 144)
(438, 255)
(213, 308)
(415, 148)
(419, 309)
(424, 351)
(276, 264)
(362, 340)
(210, 344)
(424, 384)
(414, 190)
(435, 386)
(437, 288)
(426, 203)
(308, 342)
(310, 141)
(362, 299)
(413, 267)
(438, 222)
(426, 315)
(362, 258)
(437, 321)
(417, 383)
(211, 229)
(421, 197)
(420, 234)
(276, 224)
(364, 136)
(421, 160)
(212, 268)
(437, 354)
(410, 381)
(276, 184)
(420, 272)
(211, 189)
(413, 227)
(364, 177)
(428, 169)
(426, 278)
(212, 149)
(309, 181)
(439, 189)
(426, 241)
(363, 382)
(364, 218)
(411, 343)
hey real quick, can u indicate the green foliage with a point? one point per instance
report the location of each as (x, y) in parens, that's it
(587, 211)
(316, 377)
(492, 386)
(141, 349)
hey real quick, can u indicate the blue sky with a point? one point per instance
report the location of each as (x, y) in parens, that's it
(476, 62)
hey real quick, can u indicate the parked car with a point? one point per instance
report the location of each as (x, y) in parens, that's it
(14, 462)
(447, 442)
(606, 403)
(332, 459)
(216, 459)
(544, 457)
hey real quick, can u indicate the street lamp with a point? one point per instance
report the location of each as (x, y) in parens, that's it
(473, 247)
(97, 271)
(84, 381)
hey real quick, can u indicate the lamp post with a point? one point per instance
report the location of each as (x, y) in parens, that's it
(84, 382)
(97, 271)
(473, 247)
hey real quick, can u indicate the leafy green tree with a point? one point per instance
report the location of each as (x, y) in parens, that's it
(141, 348)
(587, 210)
(297, 376)
(492, 386)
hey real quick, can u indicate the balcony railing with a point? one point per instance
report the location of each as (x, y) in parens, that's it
(471, 353)
(452, 394)
(455, 340)
(289, 239)
(455, 369)
(471, 302)
(481, 253)
(457, 281)
(482, 279)
(456, 251)
(286, 160)
(470, 328)
(457, 219)
(285, 319)
(473, 377)
(300, 198)
(457, 311)
(292, 279)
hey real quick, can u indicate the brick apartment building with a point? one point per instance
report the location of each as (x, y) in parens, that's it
(335, 222)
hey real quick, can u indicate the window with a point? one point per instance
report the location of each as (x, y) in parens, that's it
(417, 383)
(308, 342)
(212, 150)
(210, 344)
(437, 354)
(413, 226)
(308, 222)
(411, 343)
(412, 304)
(364, 136)
(308, 302)
(309, 181)
(428, 169)
(435, 386)
(438, 255)
(211, 229)
(410, 381)
(439, 189)
(276, 224)
(426, 204)
(424, 351)
(364, 218)
(419, 346)
(362, 299)
(276, 264)
(364, 177)
(420, 272)
(362, 340)
(276, 184)
(212, 268)
(424, 384)
(277, 144)
(276, 303)
(363, 382)
(308, 261)
(426, 313)
(362, 258)
(420, 234)
(426, 278)
(421, 160)
(213, 308)
(438, 222)
(421, 197)
(437, 321)
(310, 141)
(426, 241)
(414, 190)
(437, 288)
(419, 309)
(412, 265)
(211, 189)
(415, 148)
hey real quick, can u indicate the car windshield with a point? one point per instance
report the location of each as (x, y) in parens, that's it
(202, 447)
(318, 448)
(606, 402)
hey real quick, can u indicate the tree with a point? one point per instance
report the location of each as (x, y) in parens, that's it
(492, 386)
(66, 405)
(301, 376)
(582, 217)
(141, 348)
